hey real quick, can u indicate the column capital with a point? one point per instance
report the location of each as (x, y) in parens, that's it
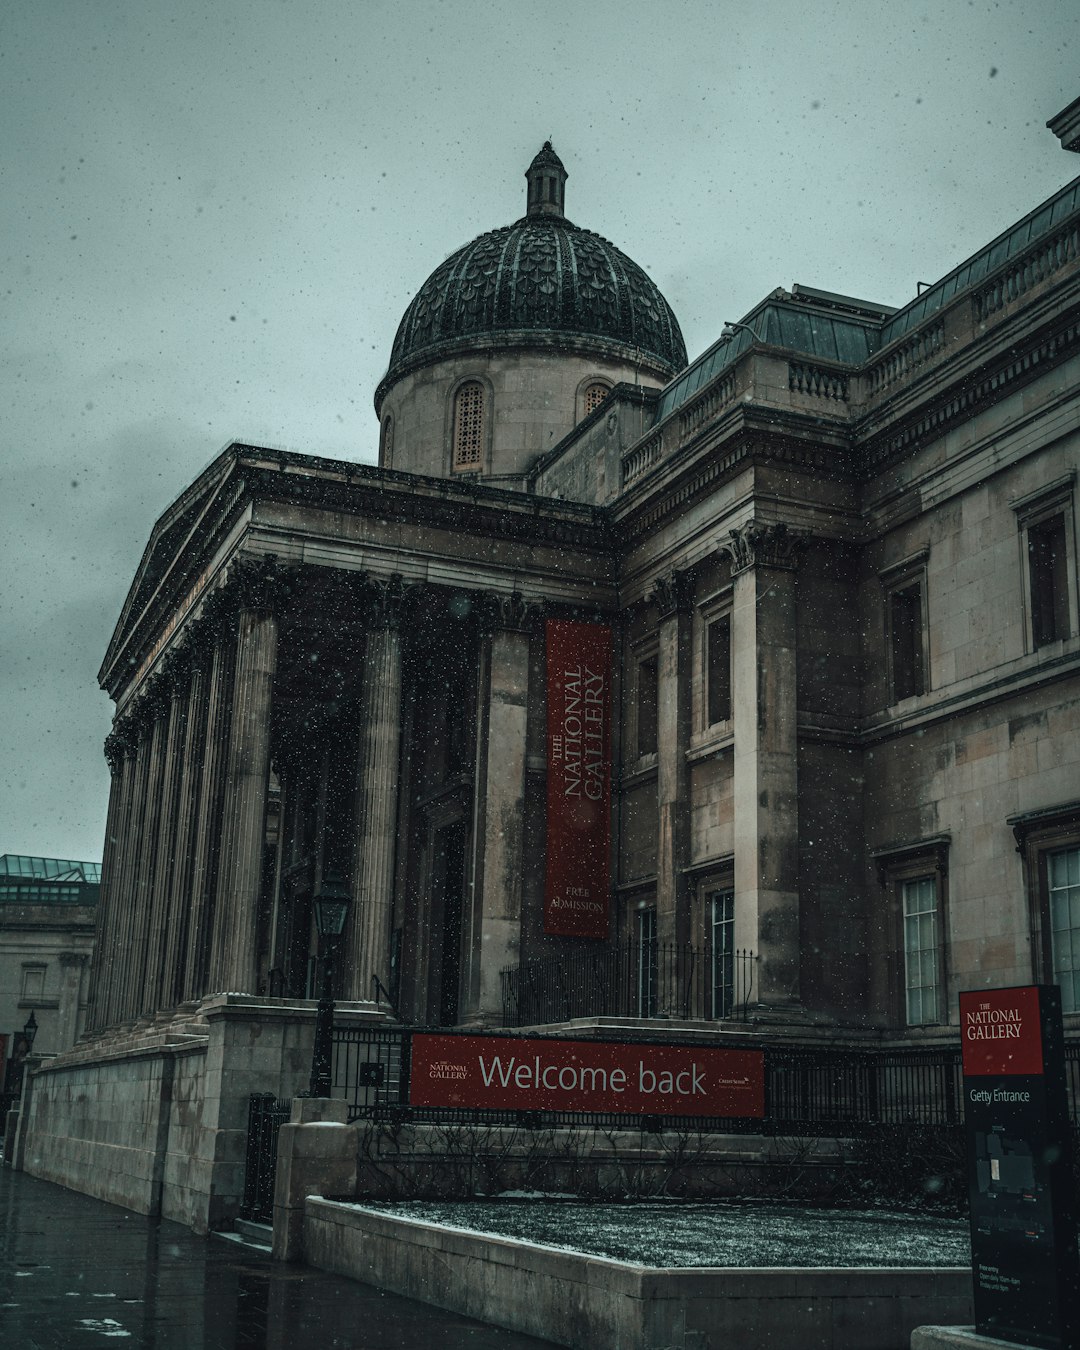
(120, 743)
(258, 583)
(761, 543)
(387, 601)
(176, 669)
(673, 593)
(511, 612)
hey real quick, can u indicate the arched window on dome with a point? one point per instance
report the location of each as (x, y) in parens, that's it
(386, 445)
(595, 394)
(469, 427)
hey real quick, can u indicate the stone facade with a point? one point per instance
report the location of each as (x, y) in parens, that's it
(838, 557)
(46, 940)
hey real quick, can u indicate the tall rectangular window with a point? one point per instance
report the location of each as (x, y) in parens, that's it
(646, 973)
(1048, 564)
(1063, 887)
(921, 956)
(905, 618)
(718, 669)
(721, 919)
(646, 706)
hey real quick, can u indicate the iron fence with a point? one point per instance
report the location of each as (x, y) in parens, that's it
(630, 979)
(809, 1090)
(266, 1115)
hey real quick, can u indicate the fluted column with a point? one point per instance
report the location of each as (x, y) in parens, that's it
(206, 825)
(494, 932)
(763, 641)
(243, 833)
(187, 813)
(119, 792)
(674, 597)
(176, 681)
(126, 855)
(157, 701)
(367, 940)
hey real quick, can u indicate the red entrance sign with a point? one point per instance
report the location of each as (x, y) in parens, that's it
(1000, 1032)
(537, 1074)
(578, 879)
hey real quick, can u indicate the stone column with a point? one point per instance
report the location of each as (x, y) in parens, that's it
(139, 857)
(243, 830)
(117, 753)
(206, 826)
(120, 975)
(495, 917)
(187, 814)
(367, 941)
(176, 674)
(674, 598)
(763, 642)
(157, 701)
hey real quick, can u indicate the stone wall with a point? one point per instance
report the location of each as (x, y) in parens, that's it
(156, 1118)
(585, 1301)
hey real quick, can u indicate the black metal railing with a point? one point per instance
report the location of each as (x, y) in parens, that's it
(808, 1089)
(266, 1115)
(630, 979)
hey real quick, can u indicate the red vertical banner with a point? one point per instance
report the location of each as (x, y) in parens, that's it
(578, 880)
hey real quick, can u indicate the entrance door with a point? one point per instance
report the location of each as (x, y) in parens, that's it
(449, 877)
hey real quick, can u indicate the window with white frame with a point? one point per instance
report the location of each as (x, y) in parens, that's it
(921, 951)
(1048, 840)
(721, 933)
(646, 973)
(1063, 896)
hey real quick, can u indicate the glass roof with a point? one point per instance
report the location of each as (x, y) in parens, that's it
(782, 321)
(48, 869)
(1016, 239)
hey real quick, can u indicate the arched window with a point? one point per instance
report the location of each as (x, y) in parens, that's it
(594, 396)
(386, 450)
(469, 426)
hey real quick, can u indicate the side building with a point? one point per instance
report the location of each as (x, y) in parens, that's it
(834, 562)
(47, 913)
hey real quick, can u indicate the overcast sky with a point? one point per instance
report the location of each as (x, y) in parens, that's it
(213, 216)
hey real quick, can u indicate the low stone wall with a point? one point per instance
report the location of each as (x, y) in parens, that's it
(97, 1127)
(155, 1117)
(589, 1303)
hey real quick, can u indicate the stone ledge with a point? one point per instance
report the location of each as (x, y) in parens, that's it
(956, 1338)
(584, 1301)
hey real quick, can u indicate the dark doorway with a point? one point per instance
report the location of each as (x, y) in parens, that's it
(448, 874)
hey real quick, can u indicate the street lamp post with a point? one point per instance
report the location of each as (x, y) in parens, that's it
(331, 907)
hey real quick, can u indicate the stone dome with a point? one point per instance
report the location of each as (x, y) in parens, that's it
(539, 280)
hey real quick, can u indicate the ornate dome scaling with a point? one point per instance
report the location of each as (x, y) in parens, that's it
(539, 279)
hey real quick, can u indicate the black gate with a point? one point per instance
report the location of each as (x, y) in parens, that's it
(266, 1115)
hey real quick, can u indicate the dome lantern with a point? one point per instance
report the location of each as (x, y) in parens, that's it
(547, 183)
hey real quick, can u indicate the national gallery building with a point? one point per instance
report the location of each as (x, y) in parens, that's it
(733, 695)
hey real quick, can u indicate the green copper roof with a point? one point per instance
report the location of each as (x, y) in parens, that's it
(799, 325)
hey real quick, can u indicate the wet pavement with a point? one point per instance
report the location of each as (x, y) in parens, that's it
(76, 1273)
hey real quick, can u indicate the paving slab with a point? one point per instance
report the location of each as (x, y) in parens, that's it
(77, 1273)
